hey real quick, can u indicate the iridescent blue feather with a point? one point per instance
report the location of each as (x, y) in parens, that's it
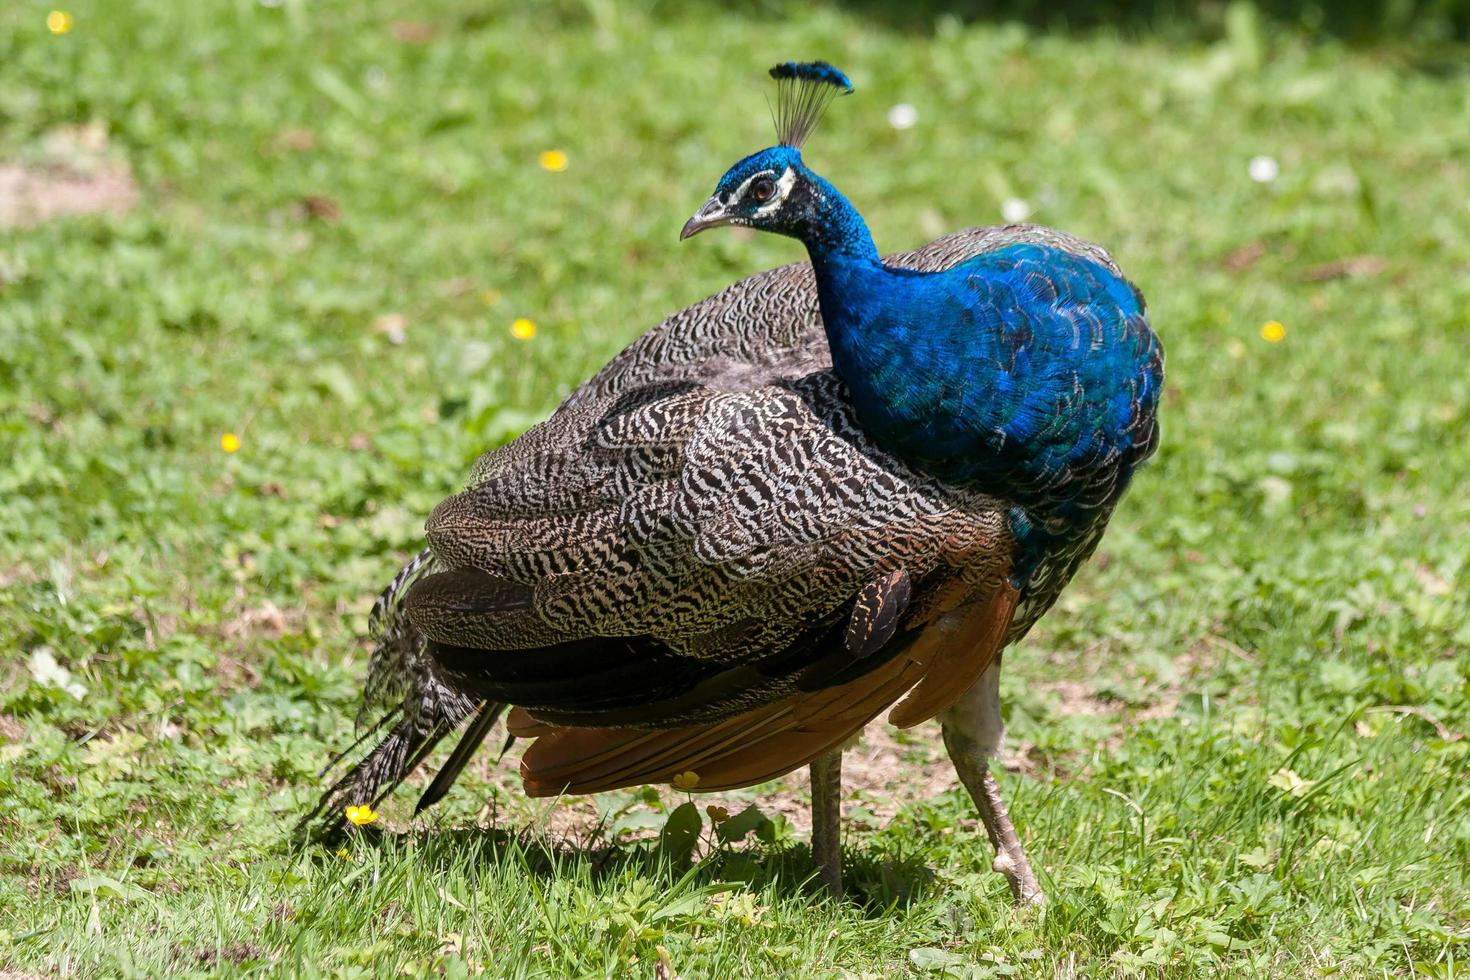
(1029, 372)
(812, 71)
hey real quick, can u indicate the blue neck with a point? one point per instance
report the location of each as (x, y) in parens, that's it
(851, 284)
(833, 231)
(872, 350)
(1023, 371)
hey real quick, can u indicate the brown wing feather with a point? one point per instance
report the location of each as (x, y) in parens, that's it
(974, 639)
(741, 751)
(938, 666)
(876, 612)
(518, 722)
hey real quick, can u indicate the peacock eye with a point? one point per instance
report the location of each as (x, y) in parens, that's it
(762, 189)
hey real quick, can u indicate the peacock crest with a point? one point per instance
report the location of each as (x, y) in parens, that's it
(804, 90)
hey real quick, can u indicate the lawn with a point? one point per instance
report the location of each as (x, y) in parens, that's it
(1237, 745)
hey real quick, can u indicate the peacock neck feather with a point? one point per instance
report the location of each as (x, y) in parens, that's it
(832, 230)
(1028, 372)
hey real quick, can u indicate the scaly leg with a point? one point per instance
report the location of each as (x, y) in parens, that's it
(972, 734)
(827, 820)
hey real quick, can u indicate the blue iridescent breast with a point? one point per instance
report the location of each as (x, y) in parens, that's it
(1029, 371)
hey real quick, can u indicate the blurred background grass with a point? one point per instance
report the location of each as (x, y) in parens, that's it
(320, 223)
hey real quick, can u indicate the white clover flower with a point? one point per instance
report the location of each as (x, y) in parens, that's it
(903, 116)
(1264, 169)
(49, 673)
(1013, 209)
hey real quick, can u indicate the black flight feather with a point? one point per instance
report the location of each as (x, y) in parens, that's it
(475, 734)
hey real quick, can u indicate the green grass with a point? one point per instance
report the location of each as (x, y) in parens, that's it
(1271, 776)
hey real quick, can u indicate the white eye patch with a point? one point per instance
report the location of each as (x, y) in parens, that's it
(783, 186)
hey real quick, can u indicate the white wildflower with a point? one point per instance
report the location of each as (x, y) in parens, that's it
(903, 116)
(49, 673)
(1013, 209)
(1264, 169)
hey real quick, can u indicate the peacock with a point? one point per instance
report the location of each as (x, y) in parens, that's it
(831, 489)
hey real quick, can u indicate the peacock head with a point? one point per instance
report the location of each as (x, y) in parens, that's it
(772, 190)
(769, 190)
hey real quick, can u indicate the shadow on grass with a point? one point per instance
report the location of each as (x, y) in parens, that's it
(876, 881)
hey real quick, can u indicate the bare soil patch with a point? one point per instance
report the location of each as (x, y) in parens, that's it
(882, 772)
(11, 729)
(74, 172)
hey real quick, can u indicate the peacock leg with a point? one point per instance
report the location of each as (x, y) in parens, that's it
(827, 819)
(972, 733)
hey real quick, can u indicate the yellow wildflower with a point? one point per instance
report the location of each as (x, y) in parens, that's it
(553, 160)
(1272, 332)
(686, 780)
(362, 815)
(523, 329)
(59, 22)
(344, 854)
(229, 442)
(717, 813)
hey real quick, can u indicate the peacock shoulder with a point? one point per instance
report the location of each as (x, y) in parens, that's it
(764, 329)
(768, 326)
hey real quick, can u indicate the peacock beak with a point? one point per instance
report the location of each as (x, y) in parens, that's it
(712, 215)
